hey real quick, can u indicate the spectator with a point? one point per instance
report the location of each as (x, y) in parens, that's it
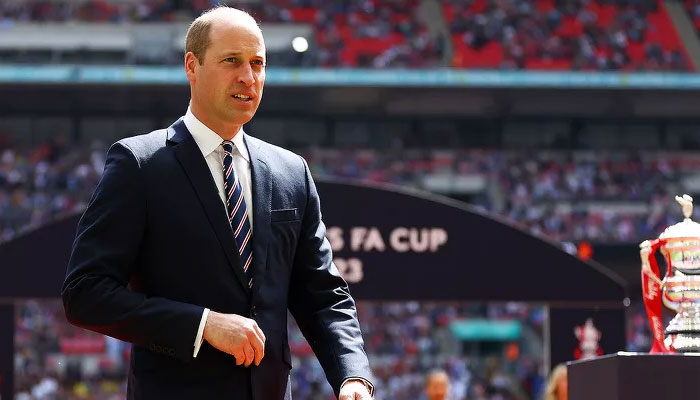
(437, 385)
(557, 386)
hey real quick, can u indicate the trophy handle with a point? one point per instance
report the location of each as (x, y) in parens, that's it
(651, 290)
(667, 301)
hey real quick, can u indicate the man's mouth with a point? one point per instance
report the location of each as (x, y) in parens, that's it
(243, 97)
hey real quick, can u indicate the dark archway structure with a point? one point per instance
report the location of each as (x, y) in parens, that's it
(482, 257)
(390, 244)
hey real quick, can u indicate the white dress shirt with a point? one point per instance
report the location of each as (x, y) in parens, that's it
(209, 143)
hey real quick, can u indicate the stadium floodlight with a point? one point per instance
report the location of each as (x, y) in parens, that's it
(300, 44)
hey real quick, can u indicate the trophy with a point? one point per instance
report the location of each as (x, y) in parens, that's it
(679, 289)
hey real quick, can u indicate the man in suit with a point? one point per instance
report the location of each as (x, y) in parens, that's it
(198, 239)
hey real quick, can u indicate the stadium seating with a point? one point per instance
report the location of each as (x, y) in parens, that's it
(484, 34)
(618, 197)
(564, 35)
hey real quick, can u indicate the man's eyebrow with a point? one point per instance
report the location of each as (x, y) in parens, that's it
(238, 53)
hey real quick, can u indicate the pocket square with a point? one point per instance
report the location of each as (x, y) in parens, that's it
(289, 214)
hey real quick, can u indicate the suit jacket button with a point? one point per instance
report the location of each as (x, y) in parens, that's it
(253, 312)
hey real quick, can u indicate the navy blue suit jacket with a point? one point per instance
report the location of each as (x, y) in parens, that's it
(154, 247)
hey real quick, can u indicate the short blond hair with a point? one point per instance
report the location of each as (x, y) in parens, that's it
(197, 39)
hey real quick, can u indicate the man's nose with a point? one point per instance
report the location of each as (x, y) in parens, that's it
(246, 76)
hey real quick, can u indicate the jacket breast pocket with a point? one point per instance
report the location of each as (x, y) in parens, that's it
(285, 215)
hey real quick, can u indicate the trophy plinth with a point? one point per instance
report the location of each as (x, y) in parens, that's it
(634, 376)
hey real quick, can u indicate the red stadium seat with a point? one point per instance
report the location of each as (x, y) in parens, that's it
(548, 64)
(307, 15)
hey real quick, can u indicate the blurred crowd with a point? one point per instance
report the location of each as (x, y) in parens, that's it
(693, 9)
(95, 10)
(44, 183)
(508, 34)
(563, 195)
(55, 360)
(358, 33)
(565, 34)
(405, 341)
(612, 197)
(638, 335)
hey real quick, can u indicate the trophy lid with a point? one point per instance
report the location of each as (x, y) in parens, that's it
(686, 228)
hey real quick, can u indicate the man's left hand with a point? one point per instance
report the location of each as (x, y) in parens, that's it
(354, 390)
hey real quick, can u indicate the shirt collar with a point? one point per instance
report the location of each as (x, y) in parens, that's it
(208, 140)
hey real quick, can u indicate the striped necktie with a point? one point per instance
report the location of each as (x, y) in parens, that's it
(237, 211)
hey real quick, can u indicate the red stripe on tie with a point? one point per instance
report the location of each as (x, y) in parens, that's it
(238, 204)
(247, 263)
(244, 242)
(240, 224)
(230, 192)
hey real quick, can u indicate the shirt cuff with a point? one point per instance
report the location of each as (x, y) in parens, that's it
(368, 384)
(200, 332)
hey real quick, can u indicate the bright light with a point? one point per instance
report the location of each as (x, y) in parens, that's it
(299, 44)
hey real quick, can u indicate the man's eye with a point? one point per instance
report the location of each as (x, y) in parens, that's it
(231, 59)
(258, 62)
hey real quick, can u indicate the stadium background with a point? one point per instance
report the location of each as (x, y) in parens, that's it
(574, 120)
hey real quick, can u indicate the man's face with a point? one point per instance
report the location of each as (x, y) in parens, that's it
(437, 387)
(228, 86)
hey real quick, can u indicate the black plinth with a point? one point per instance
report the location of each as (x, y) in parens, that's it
(635, 376)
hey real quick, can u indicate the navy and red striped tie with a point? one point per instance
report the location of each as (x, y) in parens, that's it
(237, 211)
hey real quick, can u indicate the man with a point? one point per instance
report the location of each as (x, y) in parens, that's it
(199, 238)
(437, 385)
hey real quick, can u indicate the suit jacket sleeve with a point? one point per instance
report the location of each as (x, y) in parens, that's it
(320, 300)
(105, 253)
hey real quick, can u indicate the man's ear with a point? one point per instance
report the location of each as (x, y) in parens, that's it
(191, 63)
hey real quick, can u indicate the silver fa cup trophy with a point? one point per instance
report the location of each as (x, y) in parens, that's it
(679, 290)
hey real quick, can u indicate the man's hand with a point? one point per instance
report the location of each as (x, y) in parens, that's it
(354, 390)
(236, 335)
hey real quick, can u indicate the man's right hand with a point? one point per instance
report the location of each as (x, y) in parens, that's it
(236, 335)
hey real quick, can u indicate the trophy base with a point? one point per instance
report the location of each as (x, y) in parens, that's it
(683, 342)
(683, 332)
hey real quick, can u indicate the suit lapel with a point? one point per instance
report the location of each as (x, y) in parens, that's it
(262, 198)
(190, 157)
